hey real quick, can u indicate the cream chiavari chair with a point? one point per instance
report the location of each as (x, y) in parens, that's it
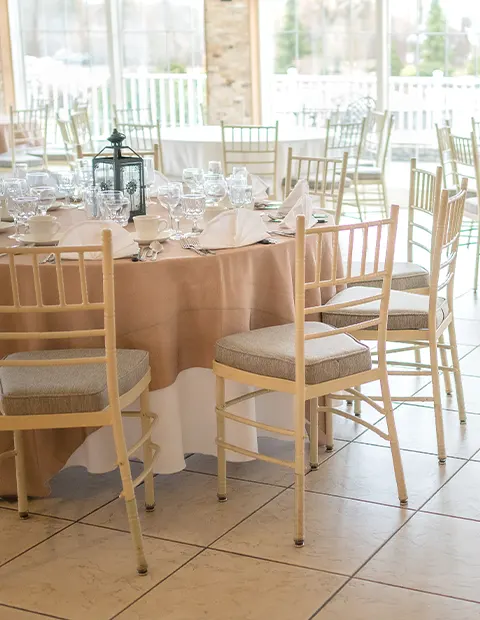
(74, 388)
(346, 138)
(132, 115)
(443, 140)
(82, 132)
(476, 129)
(417, 321)
(298, 358)
(326, 179)
(145, 139)
(254, 146)
(28, 130)
(67, 133)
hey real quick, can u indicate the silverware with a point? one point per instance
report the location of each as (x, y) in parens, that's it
(48, 259)
(282, 233)
(196, 243)
(186, 245)
(154, 250)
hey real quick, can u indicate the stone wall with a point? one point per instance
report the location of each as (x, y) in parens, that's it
(229, 80)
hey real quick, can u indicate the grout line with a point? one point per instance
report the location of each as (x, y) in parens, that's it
(34, 613)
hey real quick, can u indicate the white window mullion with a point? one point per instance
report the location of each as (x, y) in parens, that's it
(382, 53)
(115, 38)
(18, 58)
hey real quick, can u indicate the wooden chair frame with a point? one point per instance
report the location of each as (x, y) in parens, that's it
(112, 414)
(444, 150)
(145, 139)
(442, 275)
(67, 133)
(27, 126)
(82, 130)
(241, 141)
(303, 392)
(315, 170)
(132, 115)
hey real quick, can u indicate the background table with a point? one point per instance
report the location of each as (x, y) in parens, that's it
(176, 308)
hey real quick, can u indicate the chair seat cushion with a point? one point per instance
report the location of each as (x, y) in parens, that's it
(270, 352)
(405, 276)
(312, 183)
(471, 206)
(405, 311)
(366, 173)
(30, 390)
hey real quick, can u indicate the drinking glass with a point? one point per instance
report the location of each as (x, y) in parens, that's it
(240, 195)
(11, 189)
(46, 197)
(215, 167)
(66, 184)
(20, 171)
(149, 171)
(24, 207)
(119, 209)
(193, 178)
(240, 172)
(215, 188)
(193, 209)
(169, 197)
(92, 198)
(37, 179)
(109, 198)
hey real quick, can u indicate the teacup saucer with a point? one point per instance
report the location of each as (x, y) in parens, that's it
(29, 238)
(5, 226)
(162, 237)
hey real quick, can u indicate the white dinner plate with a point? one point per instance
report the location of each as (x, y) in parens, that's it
(162, 237)
(29, 238)
(5, 226)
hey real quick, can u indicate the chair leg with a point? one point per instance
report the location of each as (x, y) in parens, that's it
(299, 536)
(329, 425)
(386, 206)
(437, 401)
(393, 437)
(457, 374)
(357, 201)
(221, 457)
(477, 259)
(129, 494)
(147, 452)
(418, 356)
(357, 404)
(313, 414)
(444, 360)
(20, 474)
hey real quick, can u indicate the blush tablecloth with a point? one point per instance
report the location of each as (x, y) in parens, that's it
(175, 308)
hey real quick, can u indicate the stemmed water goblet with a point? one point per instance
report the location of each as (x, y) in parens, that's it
(193, 209)
(66, 184)
(215, 188)
(20, 171)
(149, 172)
(46, 197)
(169, 197)
(37, 179)
(23, 208)
(109, 198)
(240, 194)
(193, 178)
(240, 173)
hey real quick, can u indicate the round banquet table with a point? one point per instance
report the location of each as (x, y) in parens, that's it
(175, 308)
(186, 147)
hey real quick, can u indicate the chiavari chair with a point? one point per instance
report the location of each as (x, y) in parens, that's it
(28, 131)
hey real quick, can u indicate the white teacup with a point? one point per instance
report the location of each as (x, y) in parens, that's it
(43, 227)
(148, 226)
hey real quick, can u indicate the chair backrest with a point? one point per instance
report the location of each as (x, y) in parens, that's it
(145, 139)
(345, 137)
(424, 200)
(358, 109)
(82, 130)
(28, 128)
(48, 293)
(465, 162)
(476, 129)
(317, 117)
(447, 237)
(132, 115)
(67, 133)
(254, 146)
(443, 140)
(379, 126)
(376, 241)
(325, 177)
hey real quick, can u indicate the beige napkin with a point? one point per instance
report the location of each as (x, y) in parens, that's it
(301, 189)
(232, 229)
(304, 207)
(159, 180)
(259, 188)
(90, 233)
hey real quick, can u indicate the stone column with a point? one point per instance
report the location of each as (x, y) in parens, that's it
(228, 60)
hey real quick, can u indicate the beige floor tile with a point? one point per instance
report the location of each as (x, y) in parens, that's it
(7, 613)
(470, 391)
(260, 471)
(222, 586)
(187, 508)
(366, 472)
(360, 600)
(86, 572)
(416, 431)
(468, 332)
(347, 430)
(340, 534)
(460, 496)
(467, 306)
(470, 364)
(17, 535)
(434, 554)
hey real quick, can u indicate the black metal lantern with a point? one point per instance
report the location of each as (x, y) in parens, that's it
(122, 172)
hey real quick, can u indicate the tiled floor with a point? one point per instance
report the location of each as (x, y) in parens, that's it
(365, 558)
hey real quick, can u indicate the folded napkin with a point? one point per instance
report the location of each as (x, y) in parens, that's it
(259, 188)
(301, 189)
(90, 233)
(233, 228)
(304, 207)
(159, 180)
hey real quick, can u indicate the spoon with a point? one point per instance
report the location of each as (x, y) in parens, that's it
(154, 250)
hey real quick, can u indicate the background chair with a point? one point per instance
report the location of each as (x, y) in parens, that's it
(254, 146)
(132, 115)
(326, 179)
(444, 149)
(297, 358)
(28, 136)
(145, 139)
(74, 387)
(82, 132)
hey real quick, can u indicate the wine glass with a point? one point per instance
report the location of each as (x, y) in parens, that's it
(240, 195)
(169, 197)
(66, 184)
(20, 171)
(193, 178)
(11, 189)
(149, 171)
(215, 188)
(92, 198)
(37, 179)
(109, 198)
(119, 209)
(240, 172)
(193, 209)
(24, 207)
(46, 197)
(215, 167)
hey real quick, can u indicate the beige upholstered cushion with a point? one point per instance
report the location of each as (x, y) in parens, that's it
(66, 389)
(405, 311)
(319, 186)
(471, 205)
(405, 277)
(271, 352)
(366, 173)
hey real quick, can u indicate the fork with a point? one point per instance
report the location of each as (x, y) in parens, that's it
(186, 245)
(196, 244)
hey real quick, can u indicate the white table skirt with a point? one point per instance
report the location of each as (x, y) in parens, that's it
(186, 412)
